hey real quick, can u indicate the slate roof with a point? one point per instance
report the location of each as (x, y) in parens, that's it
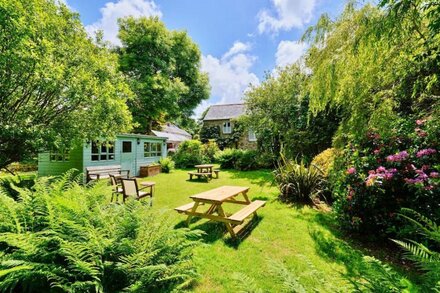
(227, 111)
(172, 133)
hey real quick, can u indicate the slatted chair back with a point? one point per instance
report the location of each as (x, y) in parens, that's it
(130, 187)
(113, 182)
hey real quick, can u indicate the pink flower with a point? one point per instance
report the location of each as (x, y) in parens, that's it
(403, 155)
(376, 152)
(434, 175)
(351, 170)
(420, 122)
(425, 152)
(381, 169)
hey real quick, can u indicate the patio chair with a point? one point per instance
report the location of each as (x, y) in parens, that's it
(130, 188)
(116, 188)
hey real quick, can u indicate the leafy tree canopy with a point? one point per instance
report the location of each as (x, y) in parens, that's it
(376, 64)
(56, 85)
(163, 68)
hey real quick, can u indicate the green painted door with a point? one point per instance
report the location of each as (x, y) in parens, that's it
(128, 156)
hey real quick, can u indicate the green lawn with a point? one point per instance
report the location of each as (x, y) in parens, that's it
(298, 243)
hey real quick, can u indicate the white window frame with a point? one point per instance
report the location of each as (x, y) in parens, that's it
(227, 127)
(251, 135)
(104, 151)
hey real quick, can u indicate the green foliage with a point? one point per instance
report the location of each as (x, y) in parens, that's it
(278, 111)
(189, 153)
(208, 133)
(56, 85)
(167, 164)
(62, 237)
(238, 159)
(223, 140)
(375, 176)
(163, 68)
(298, 182)
(427, 259)
(209, 150)
(9, 184)
(325, 160)
(375, 65)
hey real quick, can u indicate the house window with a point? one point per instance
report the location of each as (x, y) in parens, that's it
(252, 136)
(126, 146)
(152, 149)
(227, 127)
(60, 155)
(104, 151)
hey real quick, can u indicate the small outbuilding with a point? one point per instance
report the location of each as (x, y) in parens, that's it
(130, 151)
(175, 135)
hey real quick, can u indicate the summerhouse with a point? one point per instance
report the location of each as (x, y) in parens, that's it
(130, 151)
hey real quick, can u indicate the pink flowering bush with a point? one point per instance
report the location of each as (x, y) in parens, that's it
(377, 176)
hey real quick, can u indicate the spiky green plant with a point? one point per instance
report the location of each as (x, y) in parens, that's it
(426, 258)
(298, 182)
(63, 237)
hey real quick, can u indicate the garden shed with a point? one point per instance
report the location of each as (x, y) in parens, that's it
(131, 151)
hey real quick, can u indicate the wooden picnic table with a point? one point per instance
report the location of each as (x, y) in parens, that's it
(215, 199)
(204, 168)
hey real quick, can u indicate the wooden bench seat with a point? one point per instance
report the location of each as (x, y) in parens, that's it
(103, 172)
(216, 172)
(206, 175)
(185, 208)
(241, 215)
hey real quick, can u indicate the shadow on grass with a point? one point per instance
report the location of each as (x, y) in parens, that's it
(258, 177)
(217, 230)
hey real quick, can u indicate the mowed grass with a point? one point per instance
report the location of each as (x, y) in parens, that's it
(295, 243)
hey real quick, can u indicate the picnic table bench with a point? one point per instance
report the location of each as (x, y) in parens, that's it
(205, 171)
(215, 198)
(102, 172)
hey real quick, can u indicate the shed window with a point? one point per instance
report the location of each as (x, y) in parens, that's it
(152, 149)
(60, 155)
(227, 127)
(103, 151)
(126, 146)
(252, 136)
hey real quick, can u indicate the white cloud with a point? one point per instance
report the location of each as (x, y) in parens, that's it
(288, 52)
(229, 76)
(288, 14)
(122, 8)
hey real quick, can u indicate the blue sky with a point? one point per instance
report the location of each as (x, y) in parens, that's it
(240, 40)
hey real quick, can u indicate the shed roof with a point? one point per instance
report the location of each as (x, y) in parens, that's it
(226, 111)
(171, 137)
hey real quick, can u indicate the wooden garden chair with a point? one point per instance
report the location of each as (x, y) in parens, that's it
(116, 187)
(130, 187)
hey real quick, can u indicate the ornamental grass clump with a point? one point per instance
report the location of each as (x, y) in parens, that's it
(63, 237)
(298, 182)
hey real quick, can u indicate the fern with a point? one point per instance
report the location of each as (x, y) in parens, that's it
(61, 236)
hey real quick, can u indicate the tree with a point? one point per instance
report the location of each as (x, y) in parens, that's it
(56, 85)
(288, 125)
(163, 68)
(376, 65)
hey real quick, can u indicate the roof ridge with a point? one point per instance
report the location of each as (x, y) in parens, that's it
(233, 104)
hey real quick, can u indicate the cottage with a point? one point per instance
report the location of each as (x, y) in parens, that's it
(130, 151)
(224, 117)
(175, 135)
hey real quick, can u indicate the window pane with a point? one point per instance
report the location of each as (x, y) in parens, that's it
(104, 148)
(111, 157)
(126, 146)
(111, 148)
(95, 149)
(103, 157)
(95, 157)
(159, 147)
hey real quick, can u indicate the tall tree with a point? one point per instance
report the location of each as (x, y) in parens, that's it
(164, 71)
(56, 85)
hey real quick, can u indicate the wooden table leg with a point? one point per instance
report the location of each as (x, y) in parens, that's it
(246, 198)
(221, 213)
(212, 209)
(193, 210)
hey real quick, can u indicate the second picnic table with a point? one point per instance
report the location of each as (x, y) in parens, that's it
(204, 170)
(215, 198)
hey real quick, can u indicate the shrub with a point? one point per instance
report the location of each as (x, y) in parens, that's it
(10, 183)
(209, 150)
(324, 160)
(23, 166)
(297, 182)
(227, 158)
(68, 238)
(166, 164)
(188, 154)
(376, 176)
(246, 160)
